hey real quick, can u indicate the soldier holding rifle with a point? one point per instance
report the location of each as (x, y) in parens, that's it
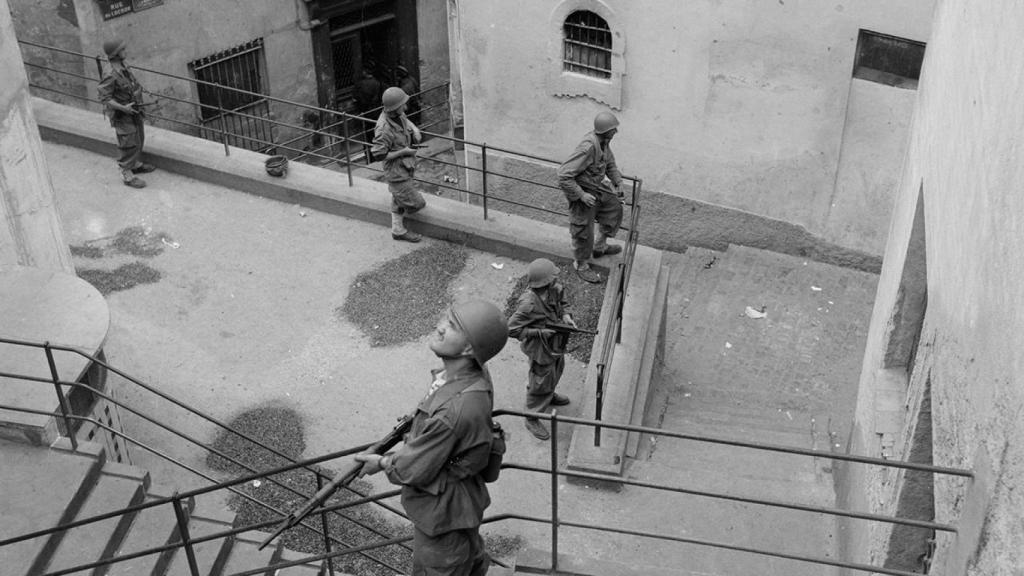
(121, 95)
(542, 323)
(441, 465)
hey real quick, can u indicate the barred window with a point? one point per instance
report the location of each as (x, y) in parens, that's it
(241, 94)
(587, 45)
(240, 67)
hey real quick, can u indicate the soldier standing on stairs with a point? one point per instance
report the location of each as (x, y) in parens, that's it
(542, 303)
(581, 178)
(121, 95)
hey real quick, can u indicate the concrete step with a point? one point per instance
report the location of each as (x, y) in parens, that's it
(119, 487)
(210, 555)
(152, 528)
(246, 555)
(41, 489)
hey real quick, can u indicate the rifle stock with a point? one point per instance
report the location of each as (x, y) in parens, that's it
(342, 478)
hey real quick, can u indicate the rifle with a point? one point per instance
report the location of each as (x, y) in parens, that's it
(343, 478)
(568, 328)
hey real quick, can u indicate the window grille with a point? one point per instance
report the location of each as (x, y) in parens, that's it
(240, 67)
(240, 71)
(587, 45)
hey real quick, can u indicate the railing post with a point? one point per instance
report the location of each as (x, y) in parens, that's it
(599, 403)
(61, 399)
(348, 163)
(483, 166)
(326, 527)
(554, 491)
(220, 115)
(186, 540)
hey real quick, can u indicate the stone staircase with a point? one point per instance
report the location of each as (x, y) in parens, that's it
(46, 487)
(787, 379)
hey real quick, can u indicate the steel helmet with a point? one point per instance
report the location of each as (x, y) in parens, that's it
(484, 326)
(604, 122)
(541, 272)
(114, 48)
(393, 98)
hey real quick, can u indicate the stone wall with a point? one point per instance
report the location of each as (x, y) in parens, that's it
(965, 166)
(743, 104)
(32, 233)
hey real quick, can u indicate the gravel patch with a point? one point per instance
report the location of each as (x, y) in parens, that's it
(86, 251)
(282, 429)
(584, 302)
(139, 241)
(121, 278)
(401, 300)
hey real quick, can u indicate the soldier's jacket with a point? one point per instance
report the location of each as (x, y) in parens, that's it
(532, 315)
(120, 86)
(390, 135)
(447, 447)
(585, 170)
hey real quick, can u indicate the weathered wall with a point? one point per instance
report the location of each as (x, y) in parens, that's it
(169, 36)
(965, 155)
(53, 23)
(434, 64)
(31, 234)
(737, 103)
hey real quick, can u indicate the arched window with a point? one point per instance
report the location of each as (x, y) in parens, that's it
(587, 45)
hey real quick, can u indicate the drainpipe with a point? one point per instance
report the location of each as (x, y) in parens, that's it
(302, 16)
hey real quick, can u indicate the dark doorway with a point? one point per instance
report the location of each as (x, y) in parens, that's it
(362, 40)
(371, 35)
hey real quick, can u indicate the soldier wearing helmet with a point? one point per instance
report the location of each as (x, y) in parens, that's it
(121, 95)
(544, 302)
(440, 464)
(581, 178)
(393, 140)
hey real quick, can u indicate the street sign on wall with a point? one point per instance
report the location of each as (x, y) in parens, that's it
(114, 8)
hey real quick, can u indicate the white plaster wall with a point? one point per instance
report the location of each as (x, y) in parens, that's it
(874, 143)
(31, 234)
(735, 102)
(965, 149)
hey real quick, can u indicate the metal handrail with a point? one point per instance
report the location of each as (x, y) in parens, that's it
(67, 418)
(621, 274)
(347, 117)
(553, 471)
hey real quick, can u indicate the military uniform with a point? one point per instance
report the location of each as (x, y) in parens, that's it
(585, 171)
(394, 134)
(536, 308)
(438, 468)
(121, 86)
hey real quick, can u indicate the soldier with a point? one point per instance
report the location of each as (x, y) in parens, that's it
(581, 178)
(121, 95)
(448, 446)
(544, 302)
(393, 140)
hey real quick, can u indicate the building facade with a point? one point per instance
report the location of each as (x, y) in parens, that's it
(306, 51)
(746, 120)
(942, 372)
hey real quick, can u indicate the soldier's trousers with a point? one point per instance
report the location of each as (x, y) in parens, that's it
(455, 553)
(131, 136)
(607, 211)
(540, 389)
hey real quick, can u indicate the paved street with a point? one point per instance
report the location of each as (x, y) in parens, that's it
(243, 316)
